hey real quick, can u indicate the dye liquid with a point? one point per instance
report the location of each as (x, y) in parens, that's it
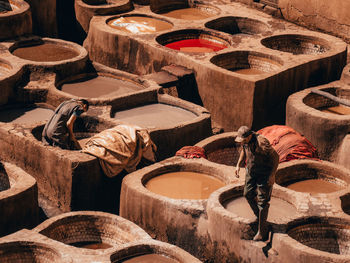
(45, 52)
(91, 245)
(188, 14)
(196, 45)
(25, 115)
(278, 208)
(249, 71)
(100, 86)
(155, 115)
(150, 258)
(339, 110)
(314, 186)
(139, 24)
(184, 185)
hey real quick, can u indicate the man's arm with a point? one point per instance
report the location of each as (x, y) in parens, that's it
(70, 124)
(240, 161)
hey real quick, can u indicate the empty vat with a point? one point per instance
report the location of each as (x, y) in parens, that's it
(314, 177)
(329, 235)
(297, 44)
(193, 41)
(91, 230)
(152, 251)
(138, 23)
(238, 25)
(26, 114)
(15, 19)
(29, 252)
(247, 62)
(179, 219)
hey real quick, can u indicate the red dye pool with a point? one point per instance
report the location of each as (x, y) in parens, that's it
(197, 45)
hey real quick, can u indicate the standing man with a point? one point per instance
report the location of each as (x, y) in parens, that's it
(261, 165)
(58, 131)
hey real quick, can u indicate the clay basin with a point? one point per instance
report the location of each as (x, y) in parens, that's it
(185, 12)
(297, 44)
(138, 23)
(45, 50)
(152, 251)
(326, 105)
(238, 25)
(247, 62)
(26, 114)
(323, 234)
(281, 208)
(98, 85)
(29, 252)
(314, 177)
(91, 230)
(193, 41)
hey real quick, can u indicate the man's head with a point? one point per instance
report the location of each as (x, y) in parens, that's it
(85, 104)
(244, 134)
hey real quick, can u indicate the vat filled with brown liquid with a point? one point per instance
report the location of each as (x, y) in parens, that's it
(25, 115)
(150, 258)
(188, 14)
(91, 245)
(139, 24)
(45, 52)
(279, 208)
(96, 86)
(314, 186)
(184, 185)
(338, 110)
(155, 115)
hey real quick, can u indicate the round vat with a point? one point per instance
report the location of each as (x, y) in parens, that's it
(184, 11)
(221, 148)
(153, 251)
(238, 25)
(193, 41)
(138, 24)
(179, 221)
(15, 19)
(45, 50)
(280, 207)
(322, 121)
(91, 230)
(184, 185)
(26, 114)
(98, 85)
(330, 235)
(29, 252)
(155, 115)
(297, 44)
(247, 62)
(313, 177)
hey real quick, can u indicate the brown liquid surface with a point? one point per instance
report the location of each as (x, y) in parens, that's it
(91, 245)
(184, 185)
(188, 14)
(249, 71)
(314, 186)
(139, 24)
(339, 110)
(45, 52)
(278, 208)
(25, 115)
(100, 86)
(155, 115)
(150, 258)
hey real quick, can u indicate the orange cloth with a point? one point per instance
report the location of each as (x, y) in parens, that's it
(288, 143)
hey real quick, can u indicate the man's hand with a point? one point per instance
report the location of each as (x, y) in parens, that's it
(237, 171)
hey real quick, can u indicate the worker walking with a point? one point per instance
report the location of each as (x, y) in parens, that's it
(58, 131)
(261, 165)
